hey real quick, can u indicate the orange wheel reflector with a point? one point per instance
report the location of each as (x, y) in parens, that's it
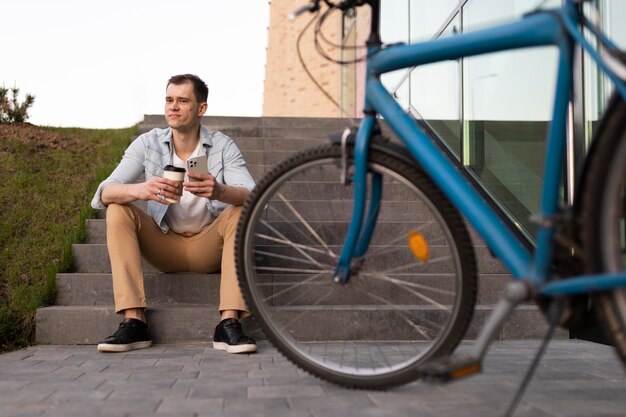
(418, 245)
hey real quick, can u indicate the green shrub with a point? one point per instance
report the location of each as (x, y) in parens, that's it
(11, 110)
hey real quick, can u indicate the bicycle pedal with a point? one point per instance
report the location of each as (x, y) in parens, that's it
(450, 368)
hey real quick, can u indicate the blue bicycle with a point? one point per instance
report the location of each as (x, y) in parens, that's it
(355, 258)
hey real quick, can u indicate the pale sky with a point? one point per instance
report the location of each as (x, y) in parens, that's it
(105, 63)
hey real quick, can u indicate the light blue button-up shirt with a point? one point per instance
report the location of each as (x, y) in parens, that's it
(152, 151)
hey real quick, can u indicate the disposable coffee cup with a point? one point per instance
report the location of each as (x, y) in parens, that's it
(174, 173)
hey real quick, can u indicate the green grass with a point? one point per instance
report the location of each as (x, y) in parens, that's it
(44, 201)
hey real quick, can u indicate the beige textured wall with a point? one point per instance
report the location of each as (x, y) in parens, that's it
(288, 91)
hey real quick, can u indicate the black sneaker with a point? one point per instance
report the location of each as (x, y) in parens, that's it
(132, 334)
(229, 336)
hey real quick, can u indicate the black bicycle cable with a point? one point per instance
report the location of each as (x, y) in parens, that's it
(319, 38)
(310, 75)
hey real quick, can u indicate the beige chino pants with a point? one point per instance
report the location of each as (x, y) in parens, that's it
(132, 233)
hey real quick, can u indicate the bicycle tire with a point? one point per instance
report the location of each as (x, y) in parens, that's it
(375, 331)
(603, 224)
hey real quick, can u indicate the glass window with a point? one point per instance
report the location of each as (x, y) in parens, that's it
(483, 13)
(394, 21)
(436, 96)
(614, 12)
(597, 88)
(410, 21)
(428, 17)
(394, 28)
(507, 113)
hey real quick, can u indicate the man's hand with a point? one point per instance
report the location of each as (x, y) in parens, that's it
(206, 186)
(156, 189)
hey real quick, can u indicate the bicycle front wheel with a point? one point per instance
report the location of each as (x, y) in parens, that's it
(604, 218)
(412, 299)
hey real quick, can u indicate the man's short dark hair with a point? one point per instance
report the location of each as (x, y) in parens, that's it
(200, 88)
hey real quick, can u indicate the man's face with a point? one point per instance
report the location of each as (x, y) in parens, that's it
(182, 109)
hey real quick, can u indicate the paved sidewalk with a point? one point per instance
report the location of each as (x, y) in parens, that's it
(575, 379)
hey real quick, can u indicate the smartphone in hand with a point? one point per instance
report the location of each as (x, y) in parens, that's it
(197, 165)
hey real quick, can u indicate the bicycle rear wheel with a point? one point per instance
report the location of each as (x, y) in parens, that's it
(396, 313)
(604, 218)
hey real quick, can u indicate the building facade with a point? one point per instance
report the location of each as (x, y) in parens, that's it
(288, 90)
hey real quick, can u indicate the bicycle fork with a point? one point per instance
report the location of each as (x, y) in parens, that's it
(362, 226)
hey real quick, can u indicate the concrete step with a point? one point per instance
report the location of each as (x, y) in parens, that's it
(526, 322)
(279, 144)
(272, 157)
(158, 120)
(389, 222)
(305, 130)
(89, 289)
(66, 325)
(246, 144)
(94, 258)
(269, 133)
(70, 325)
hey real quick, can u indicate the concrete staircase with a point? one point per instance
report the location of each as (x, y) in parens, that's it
(183, 307)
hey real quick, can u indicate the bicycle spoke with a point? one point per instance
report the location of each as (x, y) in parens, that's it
(299, 315)
(425, 298)
(299, 247)
(294, 227)
(415, 264)
(402, 313)
(294, 286)
(293, 270)
(306, 224)
(289, 243)
(391, 245)
(382, 354)
(279, 256)
(410, 284)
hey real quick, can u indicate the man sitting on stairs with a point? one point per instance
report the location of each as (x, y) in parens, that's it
(195, 234)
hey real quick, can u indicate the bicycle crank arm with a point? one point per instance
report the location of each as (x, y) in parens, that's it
(459, 366)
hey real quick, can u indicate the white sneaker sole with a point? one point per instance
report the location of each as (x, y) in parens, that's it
(234, 348)
(108, 347)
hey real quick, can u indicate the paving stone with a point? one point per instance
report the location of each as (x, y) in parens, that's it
(25, 410)
(288, 391)
(348, 400)
(244, 406)
(175, 414)
(575, 379)
(9, 385)
(199, 406)
(274, 371)
(219, 389)
(117, 408)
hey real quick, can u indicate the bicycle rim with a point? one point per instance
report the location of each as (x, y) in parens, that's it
(396, 313)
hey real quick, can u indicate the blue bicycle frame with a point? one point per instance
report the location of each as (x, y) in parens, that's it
(559, 27)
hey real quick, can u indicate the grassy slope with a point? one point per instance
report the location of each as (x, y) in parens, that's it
(44, 200)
